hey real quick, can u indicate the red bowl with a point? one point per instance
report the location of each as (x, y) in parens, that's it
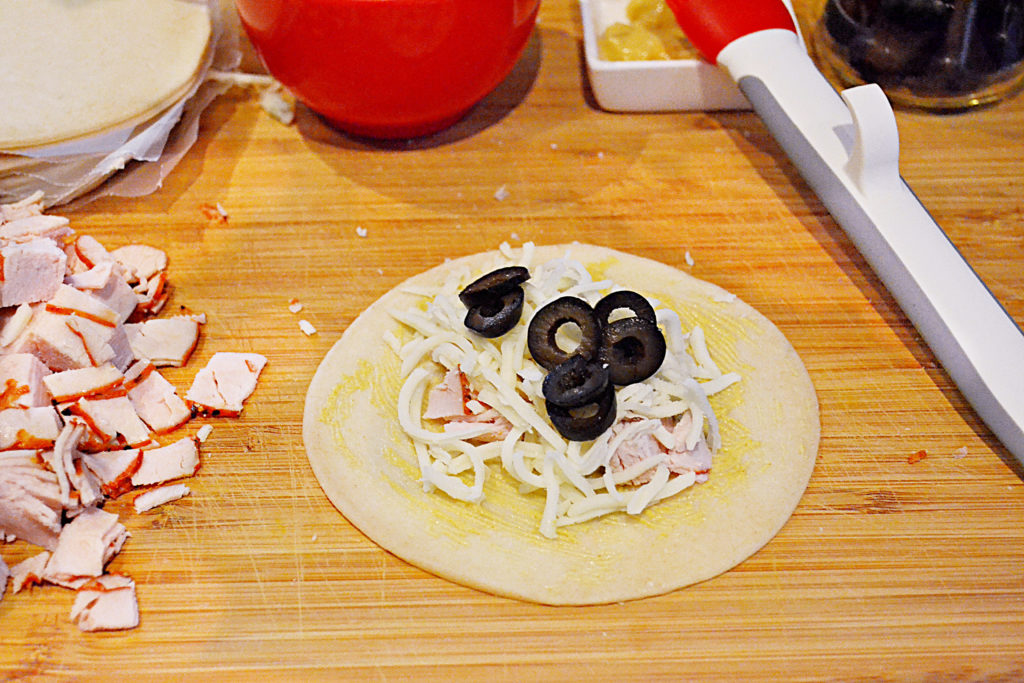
(389, 68)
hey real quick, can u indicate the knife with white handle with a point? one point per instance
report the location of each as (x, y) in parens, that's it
(846, 147)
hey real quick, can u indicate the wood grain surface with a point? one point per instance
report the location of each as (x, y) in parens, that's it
(889, 569)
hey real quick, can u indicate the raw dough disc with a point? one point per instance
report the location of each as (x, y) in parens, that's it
(770, 430)
(70, 68)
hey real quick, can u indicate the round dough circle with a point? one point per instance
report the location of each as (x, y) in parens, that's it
(770, 431)
(76, 68)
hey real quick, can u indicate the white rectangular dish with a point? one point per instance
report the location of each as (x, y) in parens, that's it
(651, 86)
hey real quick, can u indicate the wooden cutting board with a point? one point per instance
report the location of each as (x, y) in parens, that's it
(894, 567)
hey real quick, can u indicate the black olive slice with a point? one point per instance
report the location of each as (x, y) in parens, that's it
(575, 382)
(549, 319)
(493, 285)
(586, 422)
(495, 317)
(637, 303)
(633, 350)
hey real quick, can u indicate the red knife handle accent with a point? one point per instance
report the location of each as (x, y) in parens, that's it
(712, 24)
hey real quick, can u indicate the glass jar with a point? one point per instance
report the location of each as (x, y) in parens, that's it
(931, 54)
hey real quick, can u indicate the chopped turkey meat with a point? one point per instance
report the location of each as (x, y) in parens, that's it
(114, 469)
(71, 385)
(77, 385)
(86, 252)
(94, 279)
(64, 342)
(158, 496)
(164, 341)
(70, 301)
(14, 322)
(677, 455)
(449, 398)
(151, 294)
(112, 422)
(177, 460)
(84, 547)
(140, 262)
(105, 282)
(28, 228)
(62, 457)
(155, 399)
(5, 575)
(30, 500)
(498, 426)
(106, 603)
(228, 379)
(36, 427)
(29, 572)
(452, 401)
(32, 271)
(85, 484)
(22, 381)
(49, 338)
(29, 206)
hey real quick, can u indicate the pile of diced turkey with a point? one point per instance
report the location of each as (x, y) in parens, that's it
(85, 415)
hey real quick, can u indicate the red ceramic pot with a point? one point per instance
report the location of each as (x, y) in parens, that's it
(389, 68)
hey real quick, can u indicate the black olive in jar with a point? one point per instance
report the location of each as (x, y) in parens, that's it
(937, 54)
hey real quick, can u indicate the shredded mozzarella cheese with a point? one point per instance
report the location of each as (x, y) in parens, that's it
(578, 482)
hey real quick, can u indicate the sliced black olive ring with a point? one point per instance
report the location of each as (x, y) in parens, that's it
(579, 389)
(495, 317)
(633, 349)
(493, 285)
(575, 382)
(586, 422)
(549, 319)
(637, 303)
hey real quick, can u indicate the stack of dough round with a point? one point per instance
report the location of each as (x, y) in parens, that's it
(75, 68)
(72, 70)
